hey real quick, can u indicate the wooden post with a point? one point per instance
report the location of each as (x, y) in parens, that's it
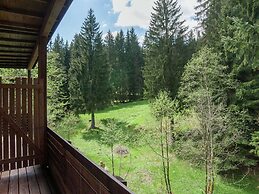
(29, 73)
(42, 71)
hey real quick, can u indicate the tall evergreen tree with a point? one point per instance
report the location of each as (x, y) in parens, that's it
(163, 49)
(94, 76)
(119, 72)
(56, 96)
(134, 60)
(111, 62)
(63, 51)
(75, 99)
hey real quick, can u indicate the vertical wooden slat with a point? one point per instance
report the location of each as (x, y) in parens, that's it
(36, 115)
(18, 119)
(30, 133)
(24, 120)
(42, 71)
(5, 128)
(1, 126)
(12, 133)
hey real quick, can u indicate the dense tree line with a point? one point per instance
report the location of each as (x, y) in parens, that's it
(94, 72)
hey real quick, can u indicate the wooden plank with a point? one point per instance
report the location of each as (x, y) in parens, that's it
(36, 116)
(18, 40)
(30, 132)
(18, 120)
(4, 182)
(33, 185)
(44, 188)
(18, 130)
(23, 182)
(49, 21)
(42, 91)
(1, 126)
(21, 12)
(12, 133)
(18, 159)
(13, 186)
(24, 120)
(6, 128)
(8, 46)
(18, 86)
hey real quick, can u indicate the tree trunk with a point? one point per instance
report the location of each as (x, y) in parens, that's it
(92, 120)
(113, 168)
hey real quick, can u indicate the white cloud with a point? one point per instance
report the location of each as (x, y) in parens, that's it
(139, 12)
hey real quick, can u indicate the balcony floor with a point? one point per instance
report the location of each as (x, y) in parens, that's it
(31, 180)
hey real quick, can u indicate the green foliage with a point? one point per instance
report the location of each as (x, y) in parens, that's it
(134, 58)
(142, 170)
(75, 99)
(93, 78)
(63, 51)
(204, 86)
(255, 143)
(231, 28)
(113, 132)
(57, 99)
(163, 106)
(164, 49)
(205, 73)
(68, 126)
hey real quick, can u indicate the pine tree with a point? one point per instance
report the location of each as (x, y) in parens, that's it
(163, 49)
(119, 72)
(56, 95)
(75, 99)
(63, 51)
(134, 60)
(111, 61)
(94, 76)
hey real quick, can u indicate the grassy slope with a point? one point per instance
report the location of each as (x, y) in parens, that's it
(142, 167)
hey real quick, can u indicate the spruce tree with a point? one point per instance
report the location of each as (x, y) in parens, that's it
(111, 61)
(119, 72)
(134, 64)
(75, 99)
(163, 60)
(56, 97)
(94, 76)
(63, 51)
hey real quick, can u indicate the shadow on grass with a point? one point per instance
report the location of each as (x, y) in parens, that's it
(129, 132)
(248, 183)
(123, 105)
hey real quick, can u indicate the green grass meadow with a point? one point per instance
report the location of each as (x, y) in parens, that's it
(142, 167)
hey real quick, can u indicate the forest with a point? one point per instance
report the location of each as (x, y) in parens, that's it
(184, 98)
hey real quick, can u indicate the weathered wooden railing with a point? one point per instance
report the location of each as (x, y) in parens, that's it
(21, 131)
(73, 173)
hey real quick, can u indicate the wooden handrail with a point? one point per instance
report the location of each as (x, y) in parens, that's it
(97, 178)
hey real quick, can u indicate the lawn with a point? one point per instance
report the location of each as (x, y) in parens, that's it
(141, 167)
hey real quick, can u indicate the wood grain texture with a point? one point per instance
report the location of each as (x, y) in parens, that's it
(19, 126)
(28, 180)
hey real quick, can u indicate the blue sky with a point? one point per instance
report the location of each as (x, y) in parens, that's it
(115, 15)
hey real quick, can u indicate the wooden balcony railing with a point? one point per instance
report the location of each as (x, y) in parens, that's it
(73, 173)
